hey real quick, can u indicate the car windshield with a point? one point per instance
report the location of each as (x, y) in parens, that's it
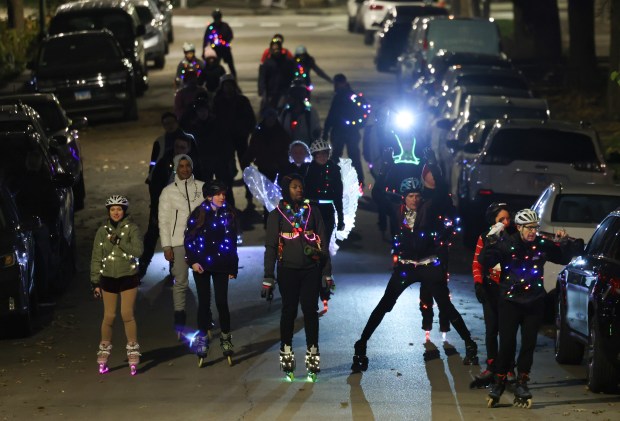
(473, 36)
(82, 50)
(583, 208)
(497, 111)
(16, 147)
(51, 115)
(546, 145)
(117, 22)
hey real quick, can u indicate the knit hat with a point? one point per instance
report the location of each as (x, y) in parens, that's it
(178, 159)
(209, 52)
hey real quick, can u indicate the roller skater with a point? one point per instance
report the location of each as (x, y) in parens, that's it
(523, 397)
(499, 385)
(360, 360)
(102, 357)
(227, 347)
(522, 256)
(114, 273)
(484, 379)
(287, 362)
(133, 356)
(312, 363)
(201, 347)
(293, 226)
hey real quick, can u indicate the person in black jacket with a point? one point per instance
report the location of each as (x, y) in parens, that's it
(218, 36)
(211, 251)
(420, 255)
(274, 77)
(522, 257)
(294, 240)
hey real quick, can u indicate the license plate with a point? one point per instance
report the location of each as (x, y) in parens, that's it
(82, 95)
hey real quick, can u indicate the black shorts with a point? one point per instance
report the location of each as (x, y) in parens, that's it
(117, 285)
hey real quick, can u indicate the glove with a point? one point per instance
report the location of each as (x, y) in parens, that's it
(494, 232)
(114, 239)
(327, 288)
(267, 289)
(429, 156)
(481, 294)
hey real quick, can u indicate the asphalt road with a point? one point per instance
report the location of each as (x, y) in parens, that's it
(53, 374)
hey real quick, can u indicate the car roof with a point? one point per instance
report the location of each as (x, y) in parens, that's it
(93, 4)
(492, 89)
(30, 98)
(494, 100)
(524, 123)
(428, 19)
(482, 69)
(587, 188)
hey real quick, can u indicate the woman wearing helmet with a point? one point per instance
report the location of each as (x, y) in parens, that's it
(211, 251)
(522, 256)
(114, 273)
(324, 187)
(190, 63)
(486, 283)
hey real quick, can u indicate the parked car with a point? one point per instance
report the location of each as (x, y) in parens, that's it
(88, 74)
(119, 17)
(41, 187)
(371, 14)
(390, 40)
(520, 158)
(18, 292)
(588, 313)
(63, 131)
(578, 208)
(431, 34)
(165, 8)
(477, 75)
(353, 7)
(155, 38)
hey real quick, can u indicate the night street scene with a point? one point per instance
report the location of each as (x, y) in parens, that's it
(310, 209)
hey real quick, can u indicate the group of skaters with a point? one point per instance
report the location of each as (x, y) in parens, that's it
(197, 223)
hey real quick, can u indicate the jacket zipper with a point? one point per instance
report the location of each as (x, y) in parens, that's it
(174, 227)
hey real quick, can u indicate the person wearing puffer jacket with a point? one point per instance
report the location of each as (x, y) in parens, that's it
(176, 203)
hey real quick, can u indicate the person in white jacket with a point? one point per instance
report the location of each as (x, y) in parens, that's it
(176, 203)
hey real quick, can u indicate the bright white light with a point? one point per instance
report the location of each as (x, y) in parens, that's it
(404, 119)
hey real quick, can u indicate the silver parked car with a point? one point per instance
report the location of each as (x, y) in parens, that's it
(155, 38)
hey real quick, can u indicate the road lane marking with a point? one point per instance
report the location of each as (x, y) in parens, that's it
(307, 24)
(269, 24)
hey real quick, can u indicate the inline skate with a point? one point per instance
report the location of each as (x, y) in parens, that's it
(360, 360)
(496, 391)
(227, 347)
(287, 362)
(133, 356)
(313, 359)
(484, 379)
(102, 357)
(471, 353)
(201, 347)
(523, 397)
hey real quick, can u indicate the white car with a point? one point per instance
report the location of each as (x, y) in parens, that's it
(366, 16)
(520, 158)
(576, 208)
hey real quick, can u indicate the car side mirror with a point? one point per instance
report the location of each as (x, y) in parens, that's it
(140, 30)
(472, 148)
(79, 123)
(31, 223)
(444, 124)
(63, 180)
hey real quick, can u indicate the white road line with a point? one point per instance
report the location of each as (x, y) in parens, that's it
(307, 24)
(328, 28)
(269, 24)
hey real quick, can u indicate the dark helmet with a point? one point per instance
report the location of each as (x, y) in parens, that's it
(410, 185)
(217, 14)
(493, 210)
(212, 188)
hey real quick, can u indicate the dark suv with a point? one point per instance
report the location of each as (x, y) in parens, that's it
(86, 70)
(119, 17)
(588, 316)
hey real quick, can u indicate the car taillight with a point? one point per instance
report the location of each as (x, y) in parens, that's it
(376, 7)
(485, 192)
(7, 260)
(614, 283)
(589, 166)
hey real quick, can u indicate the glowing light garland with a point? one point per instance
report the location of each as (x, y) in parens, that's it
(215, 39)
(130, 258)
(364, 110)
(221, 225)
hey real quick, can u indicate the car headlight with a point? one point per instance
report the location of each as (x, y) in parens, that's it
(7, 260)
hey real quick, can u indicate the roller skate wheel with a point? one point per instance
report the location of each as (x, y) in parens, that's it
(201, 361)
(103, 368)
(312, 377)
(210, 334)
(134, 370)
(289, 376)
(230, 361)
(527, 404)
(491, 402)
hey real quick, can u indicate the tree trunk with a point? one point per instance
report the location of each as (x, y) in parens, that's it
(613, 89)
(15, 11)
(582, 50)
(537, 31)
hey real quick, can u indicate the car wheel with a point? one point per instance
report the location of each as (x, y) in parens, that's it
(171, 36)
(79, 193)
(167, 48)
(160, 62)
(567, 349)
(369, 37)
(602, 376)
(131, 109)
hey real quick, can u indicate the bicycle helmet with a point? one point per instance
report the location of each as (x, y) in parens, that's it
(213, 187)
(410, 185)
(188, 46)
(301, 49)
(320, 145)
(117, 200)
(492, 211)
(526, 216)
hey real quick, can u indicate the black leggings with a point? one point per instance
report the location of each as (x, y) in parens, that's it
(433, 278)
(491, 320)
(426, 308)
(299, 286)
(220, 288)
(513, 316)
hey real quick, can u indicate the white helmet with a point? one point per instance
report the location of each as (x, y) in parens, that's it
(117, 200)
(320, 145)
(188, 46)
(526, 216)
